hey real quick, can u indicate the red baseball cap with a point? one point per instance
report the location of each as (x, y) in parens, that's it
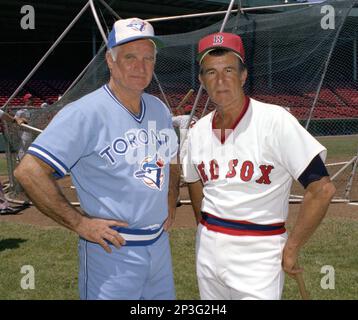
(27, 96)
(223, 40)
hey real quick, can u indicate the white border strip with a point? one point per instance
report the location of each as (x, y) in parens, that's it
(140, 237)
(46, 156)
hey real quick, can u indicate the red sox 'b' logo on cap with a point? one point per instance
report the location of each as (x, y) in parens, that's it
(218, 39)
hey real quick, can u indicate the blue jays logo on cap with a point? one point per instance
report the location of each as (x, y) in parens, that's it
(137, 25)
(126, 30)
(151, 172)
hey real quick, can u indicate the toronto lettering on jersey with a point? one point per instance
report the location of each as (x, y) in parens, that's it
(245, 170)
(137, 144)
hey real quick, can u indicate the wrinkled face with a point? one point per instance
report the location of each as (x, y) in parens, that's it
(222, 78)
(134, 65)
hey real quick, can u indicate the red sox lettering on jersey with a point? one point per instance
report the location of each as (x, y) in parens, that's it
(245, 170)
(248, 171)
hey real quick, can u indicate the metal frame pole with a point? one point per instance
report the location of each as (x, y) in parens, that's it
(79, 76)
(291, 201)
(162, 92)
(355, 57)
(203, 14)
(343, 168)
(110, 9)
(46, 55)
(350, 180)
(95, 15)
(270, 63)
(205, 107)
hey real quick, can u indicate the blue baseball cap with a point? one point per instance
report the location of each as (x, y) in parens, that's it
(127, 30)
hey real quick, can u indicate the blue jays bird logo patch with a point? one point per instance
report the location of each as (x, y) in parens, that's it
(151, 172)
(137, 25)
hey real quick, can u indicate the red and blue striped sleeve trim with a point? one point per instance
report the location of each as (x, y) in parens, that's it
(239, 227)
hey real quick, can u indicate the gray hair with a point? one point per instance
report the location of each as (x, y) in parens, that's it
(114, 51)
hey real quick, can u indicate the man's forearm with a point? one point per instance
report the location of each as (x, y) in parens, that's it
(44, 192)
(36, 178)
(174, 181)
(196, 197)
(7, 117)
(312, 211)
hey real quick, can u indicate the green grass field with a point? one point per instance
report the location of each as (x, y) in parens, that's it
(53, 254)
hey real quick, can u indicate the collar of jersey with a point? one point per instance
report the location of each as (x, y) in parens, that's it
(138, 117)
(237, 121)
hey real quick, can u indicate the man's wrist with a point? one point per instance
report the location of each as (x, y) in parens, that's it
(292, 246)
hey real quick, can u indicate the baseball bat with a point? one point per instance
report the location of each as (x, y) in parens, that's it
(31, 128)
(10, 118)
(301, 285)
(186, 98)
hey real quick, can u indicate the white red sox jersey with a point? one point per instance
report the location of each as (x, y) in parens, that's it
(248, 175)
(119, 161)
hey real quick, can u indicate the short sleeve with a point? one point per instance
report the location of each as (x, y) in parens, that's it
(294, 146)
(65, 140)
(189, 170)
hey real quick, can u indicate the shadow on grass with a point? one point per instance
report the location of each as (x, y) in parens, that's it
(11, 243)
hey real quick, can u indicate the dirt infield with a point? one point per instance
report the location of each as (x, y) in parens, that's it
(184, 216)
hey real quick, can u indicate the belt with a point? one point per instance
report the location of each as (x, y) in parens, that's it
(240, 228)
(139, 237)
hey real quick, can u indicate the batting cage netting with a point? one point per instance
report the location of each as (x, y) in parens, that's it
(303, 59)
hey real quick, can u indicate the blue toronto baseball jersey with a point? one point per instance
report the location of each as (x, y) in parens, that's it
(119, 161)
